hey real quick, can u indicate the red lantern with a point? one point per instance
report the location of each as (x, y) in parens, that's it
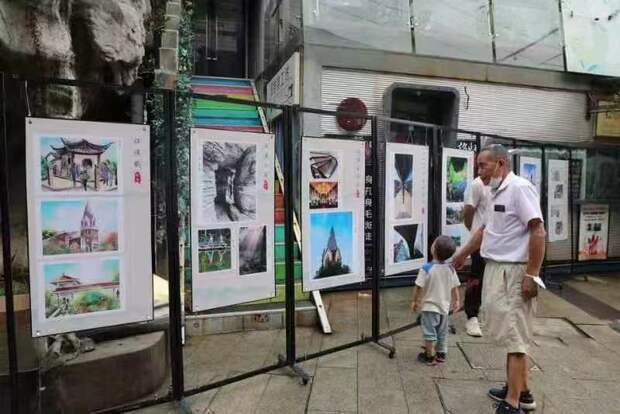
(348, 122)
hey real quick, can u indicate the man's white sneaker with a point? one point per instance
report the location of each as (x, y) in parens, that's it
(473, 327)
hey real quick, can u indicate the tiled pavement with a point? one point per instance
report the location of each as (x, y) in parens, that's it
(576, 366)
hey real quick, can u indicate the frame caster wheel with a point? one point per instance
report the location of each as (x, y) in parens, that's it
(391, 355)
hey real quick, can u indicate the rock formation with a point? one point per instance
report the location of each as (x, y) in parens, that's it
(92, 40)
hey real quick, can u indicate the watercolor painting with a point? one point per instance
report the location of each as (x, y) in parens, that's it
(79, 226)
(214, 250)
(456, 179)
(75, 288)
(252, 250)
(332, 244)
(402, 174)
(79, 165)
(228, 182)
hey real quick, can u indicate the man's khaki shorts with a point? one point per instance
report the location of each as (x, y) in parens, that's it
(507, 317)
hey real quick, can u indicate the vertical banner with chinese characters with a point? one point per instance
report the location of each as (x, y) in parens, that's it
(89, 224)
(406, 204)
(557, 200)
(232, 217)
(593, 232)
(332, 194)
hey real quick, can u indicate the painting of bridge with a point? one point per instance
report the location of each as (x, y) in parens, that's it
(214, 250)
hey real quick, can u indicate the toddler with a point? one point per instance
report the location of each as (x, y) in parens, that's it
(436, 287)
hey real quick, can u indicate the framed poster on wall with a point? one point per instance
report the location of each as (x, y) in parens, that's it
(557, 200)
(593, 232)
(232, 217)
(406, 201)
(530, 168)
(332, 196)
(457, 172)
(89, 209)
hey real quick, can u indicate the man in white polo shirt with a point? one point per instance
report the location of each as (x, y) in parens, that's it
(512, 242)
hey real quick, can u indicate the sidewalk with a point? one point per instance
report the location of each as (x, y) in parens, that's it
(576, 367)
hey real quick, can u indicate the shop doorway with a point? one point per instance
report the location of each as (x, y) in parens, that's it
(220, 33)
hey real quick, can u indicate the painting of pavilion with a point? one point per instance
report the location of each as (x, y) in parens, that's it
(79, 165)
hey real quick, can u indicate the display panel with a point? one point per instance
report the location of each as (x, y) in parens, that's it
(333, 184)
(457, 174)
(232, 217)
(593, 232)
(406, 200)
(557, 200)
(88, 224)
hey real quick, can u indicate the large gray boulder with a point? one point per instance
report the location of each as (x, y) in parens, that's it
(90, 40)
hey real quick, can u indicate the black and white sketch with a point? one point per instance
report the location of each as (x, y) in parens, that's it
(228, 186)
(323, 165)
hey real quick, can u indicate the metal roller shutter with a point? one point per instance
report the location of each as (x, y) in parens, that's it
(513, 111)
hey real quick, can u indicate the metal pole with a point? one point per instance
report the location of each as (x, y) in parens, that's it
(6, 259)
(376, 235)
(289, 248)
(571, 201)
(174, 276)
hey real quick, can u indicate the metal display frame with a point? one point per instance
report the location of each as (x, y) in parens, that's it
(374, 281)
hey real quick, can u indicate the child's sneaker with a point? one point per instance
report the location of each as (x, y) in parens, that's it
(425, 359)
(441, 357)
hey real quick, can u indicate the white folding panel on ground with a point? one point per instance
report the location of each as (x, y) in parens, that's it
(89, 224)
(593, 232)
(232, 217)
(332, 197)
(530, 169)
(406, 207)
(557, 200)
(457, 173)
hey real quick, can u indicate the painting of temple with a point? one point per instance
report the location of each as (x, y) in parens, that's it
(76, 288)
(73, 226)
(79, 165)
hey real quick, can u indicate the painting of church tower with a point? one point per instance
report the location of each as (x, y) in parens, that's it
(79, 226)
(89, 233)
(332, 244)
(331, 254)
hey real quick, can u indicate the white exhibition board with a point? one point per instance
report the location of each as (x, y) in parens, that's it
(557, 200)
(232, 189)
(406, 201)
(332, 197)
(457, 173)
(89, 224)
(530, 168)
(593, 232)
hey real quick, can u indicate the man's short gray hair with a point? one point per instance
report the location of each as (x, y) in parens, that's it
(498, 151)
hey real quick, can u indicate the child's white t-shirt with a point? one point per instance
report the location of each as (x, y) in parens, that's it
(437, 280)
